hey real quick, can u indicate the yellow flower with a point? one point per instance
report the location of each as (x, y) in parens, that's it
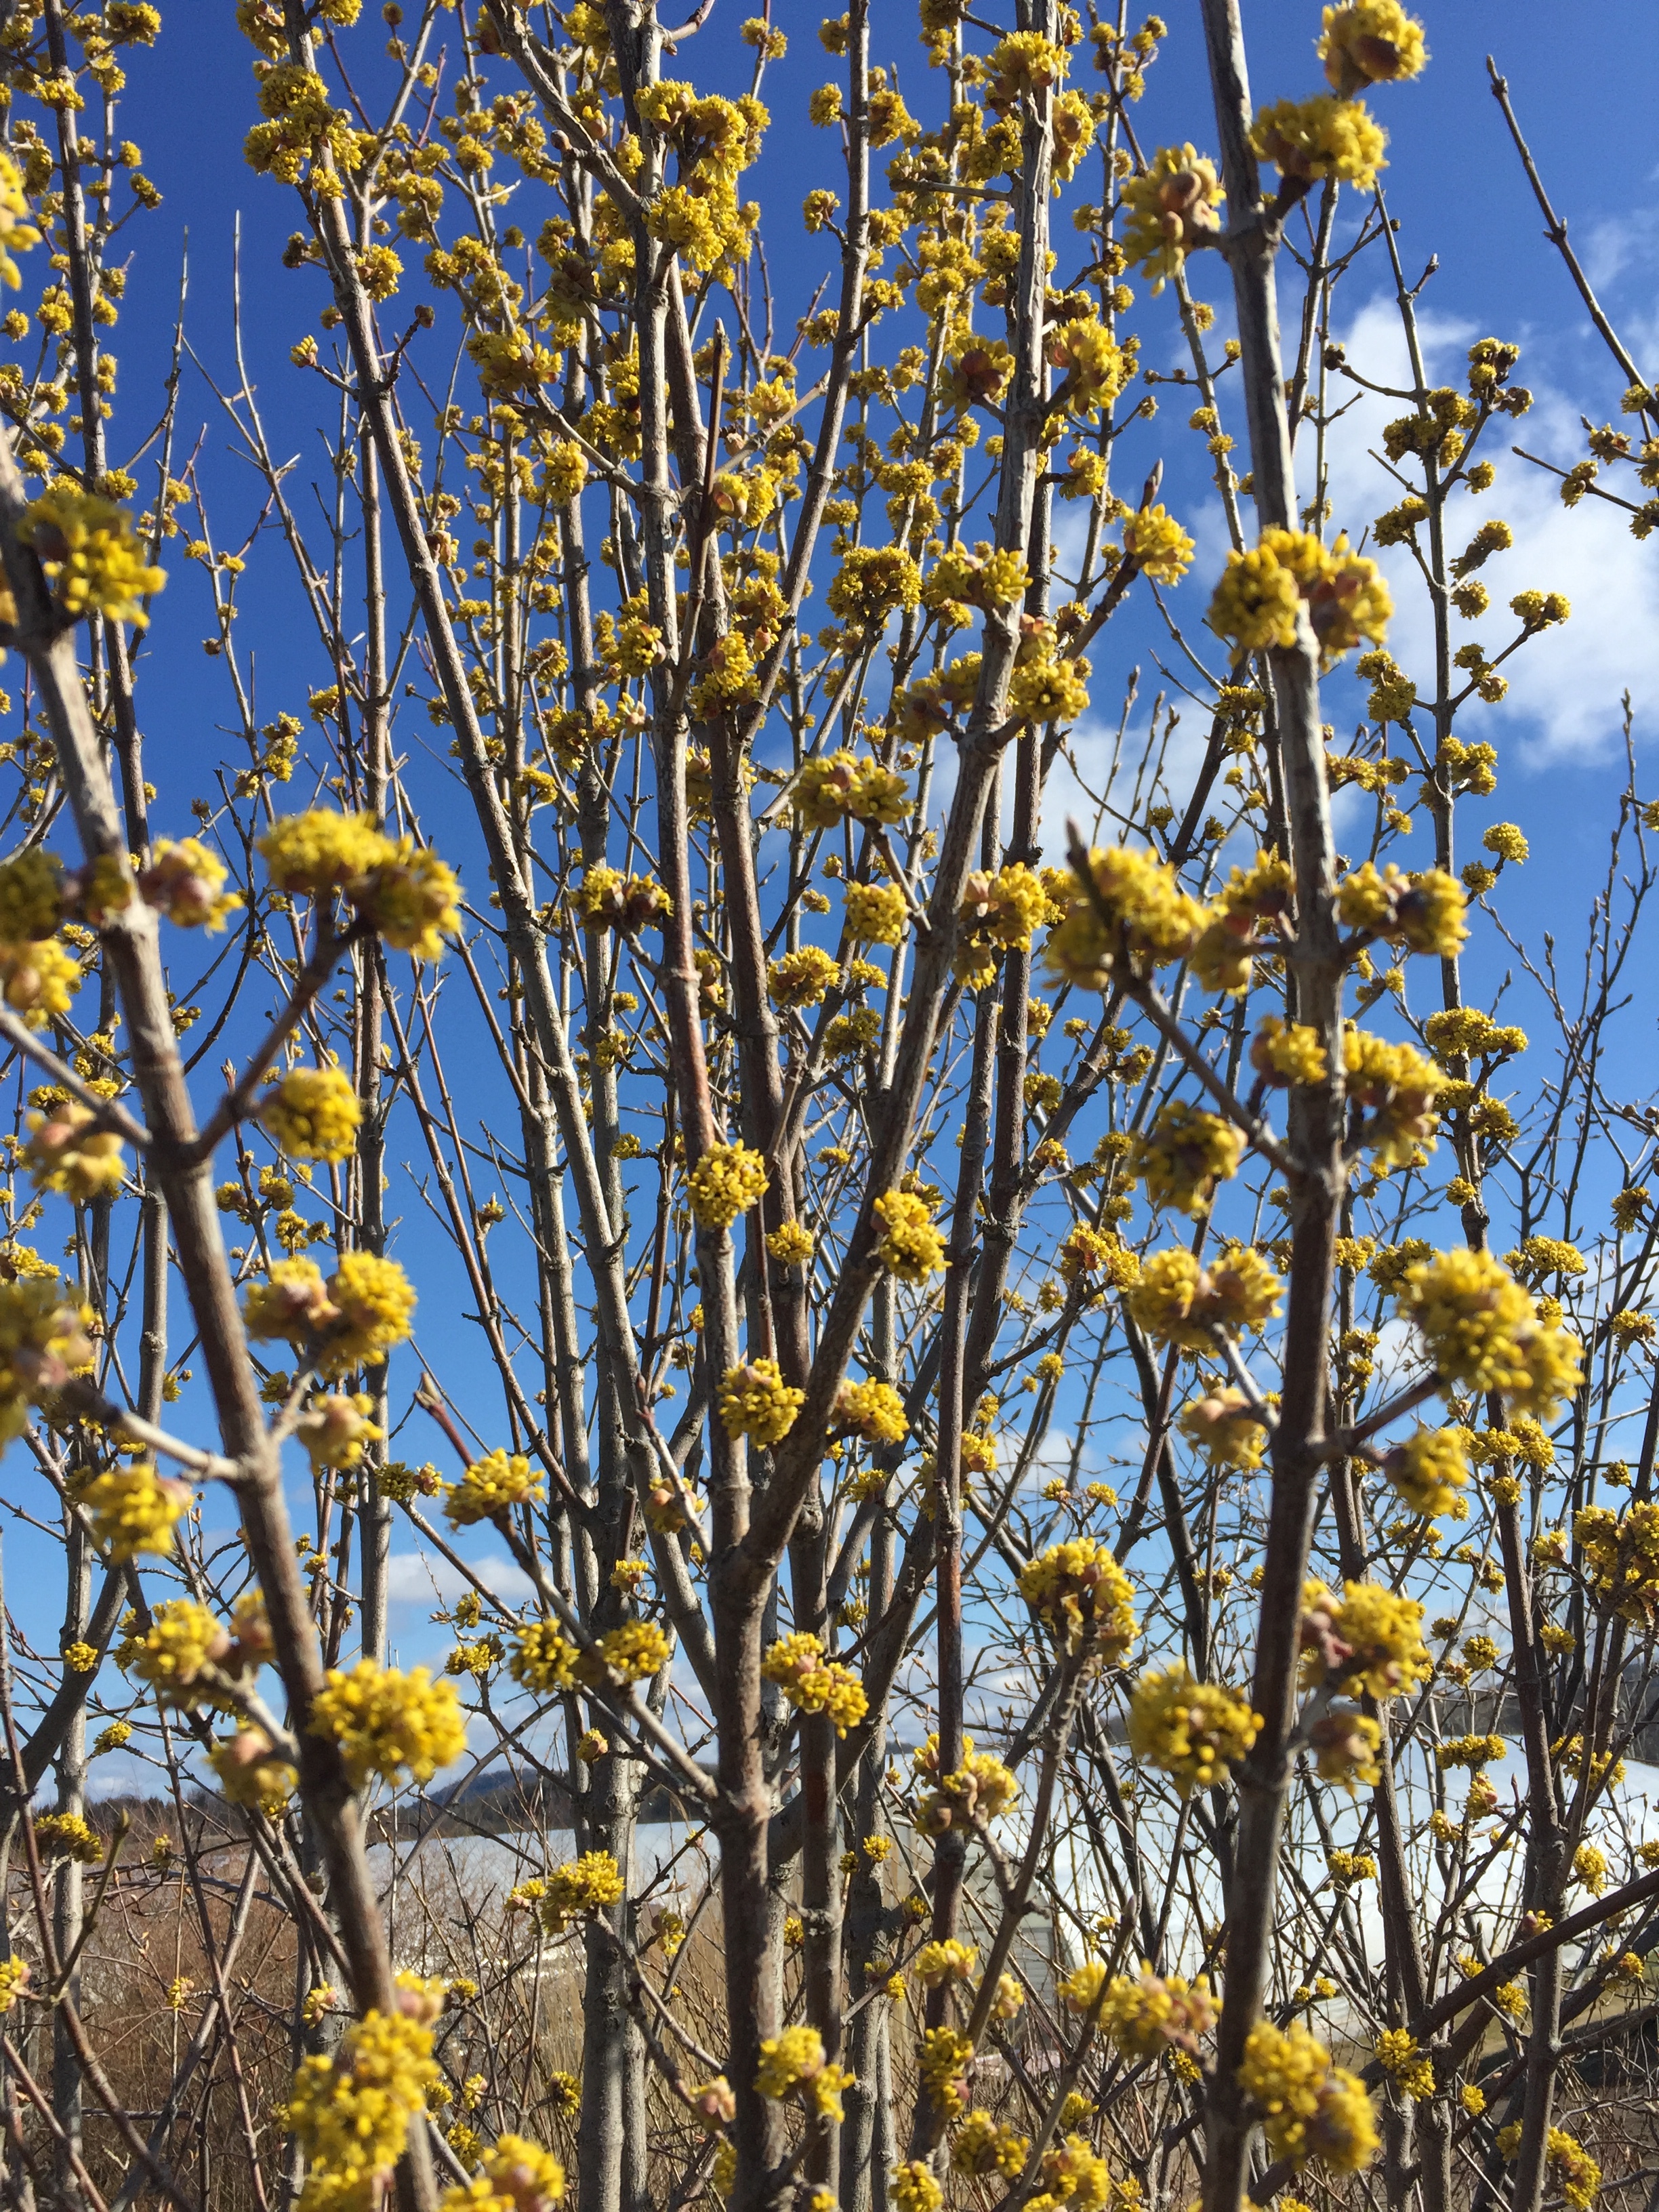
(802, 977)
(409, 897)
(1482, 1332)
(790, 1243)
(1255, 603)
(812, 1683)
(354, 1319)
(912, 2187)
(67, 1836)
(1429, 1469)
(543, 1659)
(1371, 1638)
(755, 1401)
(39, 980)
(592, 1883)
(1184, 1155)
(43, 1341)
(313, 1112)
(321, 851)
(1079, 1585)
(351, 2113)
(489, 1487)
(1324, 136)
(1195, 1731)
(875, 914)
(251, 1773)
(1370, 42)
(1178, 1302)
(91, 555)
(1152, 2012)
(1309, 2108)
(607, 899)
(1134, 906)
(1620, 1553)
(634, 1650)
(386, 1721)
(871, 1411)
(1223, 1427)
(183, 1637)
(909, 1247)
(133, 1509)
(1423, 912)
(1398, 2054)
(186, 882)
(67, 1153)
(17, 233)
(727, 1180)
(1168, 207)
(1395, 1088)
(1158, 545)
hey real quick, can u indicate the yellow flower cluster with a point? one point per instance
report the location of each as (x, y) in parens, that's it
(802, 977)
(516, 2175)
(1196, 1732)
(1423, 912)
(912, 2187)
(1368, 1638)
(1370, 42)
(727, 1180)
(1222, 1426)
(334, 1429)
(795, 2060)
(1095, 1257)
(134, 1510)
(946, 2056)
(998, 913)
(67, 1836)
(500, 1480)
(1179, 1301)
(1157, 544)
(351, 2113)
(185, 881)
(790, 1243)
(983, 2146)
(1184, 1155)
(91, 555)
(386, 1721)
(252, 1773)
(43, 1341)
(1309, 2108)
(834, 784)
(1620, 1552)
(606, 898)
(1133, 909)
(1148, 2013)
(633, 1651)
(592, 1883)
(1345, 1743)
(543, 1659)
(1482, 1332)
(909, 1246)
(1324, 136)
(943, 1962)
(871, 1411)
(182, 1639)
(17, 233)
(1410, 2069)
(755, 1401)
(313, 1112)
(406, 894)
(875, 914)
(350, 1321)
(1078, 1586)
(1395, 1088)
(1429, 1470)
(979, 1790)
(66, 1151)
(814, 1684)
(1255, 605)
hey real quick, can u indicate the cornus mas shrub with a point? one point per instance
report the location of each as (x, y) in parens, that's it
(1040, 1439)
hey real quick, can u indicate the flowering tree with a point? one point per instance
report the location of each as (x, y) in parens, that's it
(1038, 1838)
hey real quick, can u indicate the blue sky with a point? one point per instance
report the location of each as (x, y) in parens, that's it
(1454, 185)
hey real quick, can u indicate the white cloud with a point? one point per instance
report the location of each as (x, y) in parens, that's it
(1564, 700)
(420, 1577)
